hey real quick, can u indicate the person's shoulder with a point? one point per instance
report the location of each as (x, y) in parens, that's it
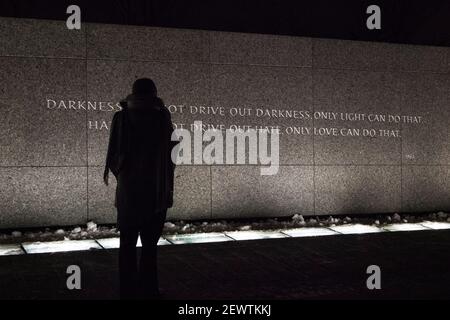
(118, 116)
(119, 113)
(163, 109)
(166, 116)
(165, 112)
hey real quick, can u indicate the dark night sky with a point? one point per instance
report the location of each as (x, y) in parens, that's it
(403, 21)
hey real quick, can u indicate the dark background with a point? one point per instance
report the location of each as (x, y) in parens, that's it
(403, 21)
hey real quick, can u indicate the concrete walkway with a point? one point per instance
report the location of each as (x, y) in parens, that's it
(413, 265)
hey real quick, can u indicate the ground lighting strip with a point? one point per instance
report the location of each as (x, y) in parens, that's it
(113, 243)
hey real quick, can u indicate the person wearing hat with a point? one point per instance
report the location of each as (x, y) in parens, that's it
(139, 156)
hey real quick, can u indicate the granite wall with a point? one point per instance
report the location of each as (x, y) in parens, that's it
(59, 89)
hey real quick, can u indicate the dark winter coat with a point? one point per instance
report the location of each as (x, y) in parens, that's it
(139, 156)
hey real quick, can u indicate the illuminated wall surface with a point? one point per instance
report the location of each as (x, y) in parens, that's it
(394, 98)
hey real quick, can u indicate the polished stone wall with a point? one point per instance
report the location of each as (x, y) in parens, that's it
(59, 90)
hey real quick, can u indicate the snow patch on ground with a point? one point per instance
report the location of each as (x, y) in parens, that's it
(93, 231)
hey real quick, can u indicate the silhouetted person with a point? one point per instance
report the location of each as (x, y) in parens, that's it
(139, 156)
